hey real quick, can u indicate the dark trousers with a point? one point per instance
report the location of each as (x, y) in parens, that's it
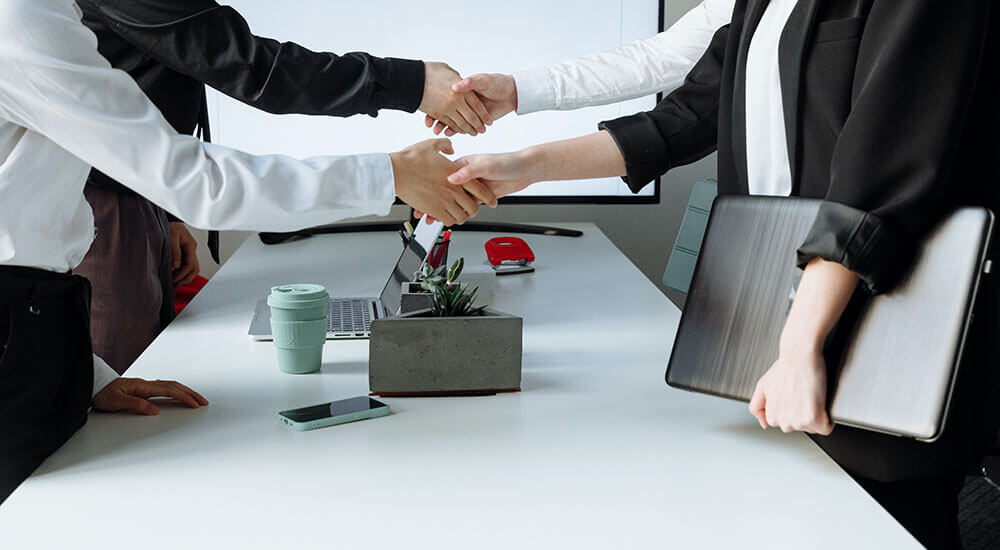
(927, 507)
(918, 483)
(46, 367)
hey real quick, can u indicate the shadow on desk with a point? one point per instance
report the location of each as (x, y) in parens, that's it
(121, 436)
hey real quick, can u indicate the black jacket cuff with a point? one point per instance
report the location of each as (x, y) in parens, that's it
(636, 136)
(405, 89)
(859, 240)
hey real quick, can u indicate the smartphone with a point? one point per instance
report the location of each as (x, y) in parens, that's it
(336, 412)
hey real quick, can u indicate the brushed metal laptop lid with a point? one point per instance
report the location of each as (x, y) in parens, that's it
(896, 373)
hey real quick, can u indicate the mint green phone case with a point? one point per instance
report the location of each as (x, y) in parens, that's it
(333, 420)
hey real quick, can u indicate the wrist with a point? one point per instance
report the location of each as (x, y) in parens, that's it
(797, 340)
(513, 86)
(532, 160)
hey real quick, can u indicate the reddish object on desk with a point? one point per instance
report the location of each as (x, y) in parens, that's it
(508, 249)
(439, 253)
(184, 294)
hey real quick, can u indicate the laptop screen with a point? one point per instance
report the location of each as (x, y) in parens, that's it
(410, 260)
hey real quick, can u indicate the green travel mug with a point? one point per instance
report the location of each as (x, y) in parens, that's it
(298, 323)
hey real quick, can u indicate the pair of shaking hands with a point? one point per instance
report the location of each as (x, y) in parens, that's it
(427, 180)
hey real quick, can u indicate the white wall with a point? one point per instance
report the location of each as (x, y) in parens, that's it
(645, 233)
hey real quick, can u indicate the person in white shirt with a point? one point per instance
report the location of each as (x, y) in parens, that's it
(64, 109)
(646, 67)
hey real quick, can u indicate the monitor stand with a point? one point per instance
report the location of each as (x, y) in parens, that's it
(491, 227)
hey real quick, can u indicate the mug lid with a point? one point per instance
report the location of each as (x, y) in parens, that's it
(298, 295)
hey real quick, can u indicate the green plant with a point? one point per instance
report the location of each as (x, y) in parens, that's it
(448, 297)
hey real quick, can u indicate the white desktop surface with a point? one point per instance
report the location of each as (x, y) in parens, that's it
(595, 452)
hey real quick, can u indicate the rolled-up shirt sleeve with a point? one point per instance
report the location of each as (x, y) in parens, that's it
(893, 160)
(53, 81)
(645, 67)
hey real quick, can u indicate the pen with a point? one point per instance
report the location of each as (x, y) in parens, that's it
(408, 228)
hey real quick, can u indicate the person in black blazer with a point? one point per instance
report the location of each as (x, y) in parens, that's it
(890, 115)
(172, 49)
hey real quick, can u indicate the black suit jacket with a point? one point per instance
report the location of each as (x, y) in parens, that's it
(890, 113)
(172, 48)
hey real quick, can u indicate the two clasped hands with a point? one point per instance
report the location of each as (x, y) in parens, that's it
(451, 191)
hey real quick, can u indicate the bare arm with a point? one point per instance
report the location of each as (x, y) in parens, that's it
(792, 393)
(592, 156)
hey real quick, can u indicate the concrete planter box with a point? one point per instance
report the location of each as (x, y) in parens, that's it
(413, 355)
(413, 298)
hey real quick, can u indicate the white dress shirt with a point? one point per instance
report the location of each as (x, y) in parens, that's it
(768, 169)
(64, 109)
(646, 67)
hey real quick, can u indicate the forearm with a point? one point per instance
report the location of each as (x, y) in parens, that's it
(591, 156)
(823, 293)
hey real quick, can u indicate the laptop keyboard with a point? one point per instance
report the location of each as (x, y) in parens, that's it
(350, 316)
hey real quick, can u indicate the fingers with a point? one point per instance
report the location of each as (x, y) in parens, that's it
(173, 390)
(757, 406)
(175, 243)
(449, 132)
(197, 396)
(459, 123)
(430, 122)
(474, 83)
(468, 173)
(443, 145)
(469, 205)
(470, 116)
(481, 193)
(481, 111)
(130, 403)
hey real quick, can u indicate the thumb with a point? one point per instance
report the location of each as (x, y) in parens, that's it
(468, 172)
(758, 403)
(443, 145)
(476, 82)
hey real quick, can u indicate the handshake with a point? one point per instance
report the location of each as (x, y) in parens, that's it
(428, 181)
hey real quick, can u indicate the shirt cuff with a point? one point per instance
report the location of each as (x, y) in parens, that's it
(378, 187)
(103, 375)
(405, 91)
(535, 91)
(635, 135)
(861, 242)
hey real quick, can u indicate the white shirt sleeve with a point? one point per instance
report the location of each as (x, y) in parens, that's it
(103, 375)
(643, 68)
(53, 81)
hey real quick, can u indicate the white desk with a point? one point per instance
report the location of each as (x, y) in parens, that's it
(596, 452)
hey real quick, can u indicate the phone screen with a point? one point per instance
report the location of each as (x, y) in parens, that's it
(336, 408)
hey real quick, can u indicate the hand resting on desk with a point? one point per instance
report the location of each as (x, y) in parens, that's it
(133, 394)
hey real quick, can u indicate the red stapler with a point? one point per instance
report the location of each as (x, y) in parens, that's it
(509, 255)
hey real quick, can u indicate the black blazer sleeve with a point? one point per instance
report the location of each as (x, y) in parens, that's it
(214, 45)
(681, 129)
(914, 80)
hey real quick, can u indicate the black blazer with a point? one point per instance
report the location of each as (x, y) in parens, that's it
(173, 48)
(890, 113)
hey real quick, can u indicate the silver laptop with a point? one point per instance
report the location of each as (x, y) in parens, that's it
(892, 359)
(349, 318)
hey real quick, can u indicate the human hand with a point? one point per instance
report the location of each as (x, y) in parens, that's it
(184, 252)
(498, 93)
(792, 394)
(503, 173)
(421, 173)
(461, 111)
(133, 394)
